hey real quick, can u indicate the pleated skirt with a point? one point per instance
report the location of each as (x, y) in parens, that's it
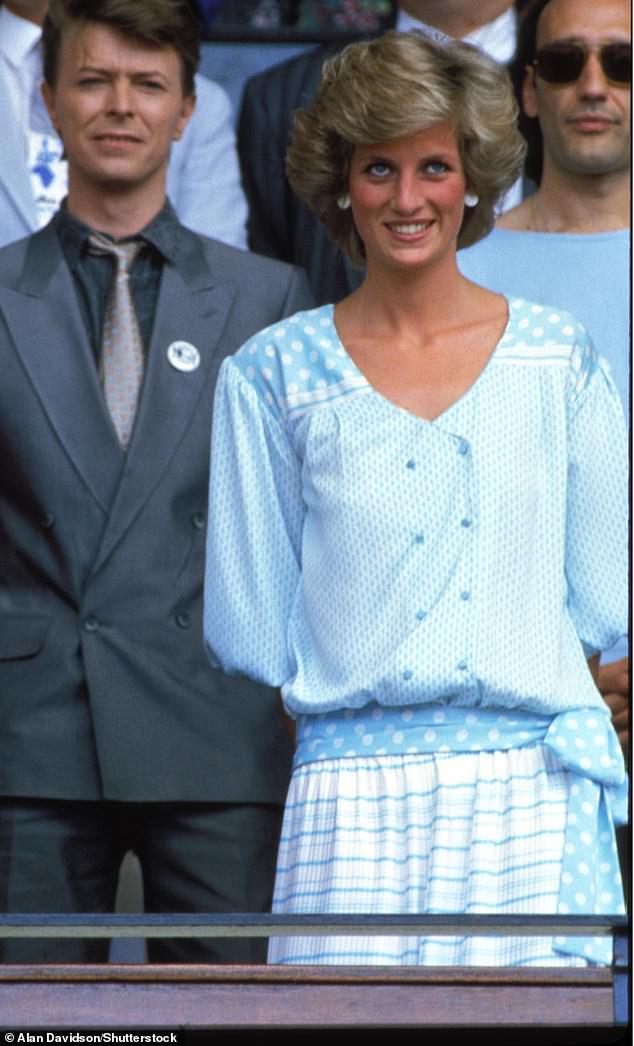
(475, 832)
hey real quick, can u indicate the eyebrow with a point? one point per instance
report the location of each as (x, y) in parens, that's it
(110, 72)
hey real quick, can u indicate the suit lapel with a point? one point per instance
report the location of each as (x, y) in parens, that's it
(48, 333)
(193, 308)
(14, 174)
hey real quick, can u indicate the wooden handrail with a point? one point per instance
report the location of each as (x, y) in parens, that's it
(267, 925)
(142, 995)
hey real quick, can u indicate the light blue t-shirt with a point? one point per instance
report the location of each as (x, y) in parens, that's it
(357, 552)
(588, 275)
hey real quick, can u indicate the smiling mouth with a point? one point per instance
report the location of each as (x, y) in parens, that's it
(408, 228)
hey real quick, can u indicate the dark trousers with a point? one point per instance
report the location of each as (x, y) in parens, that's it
(65, 857)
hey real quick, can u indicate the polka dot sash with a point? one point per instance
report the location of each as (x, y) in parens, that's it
(585, 744)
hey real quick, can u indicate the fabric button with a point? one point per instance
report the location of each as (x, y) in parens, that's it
(411, 464)
(91, 624)
(407, 674)
(463, 447)
(462, 665)
(465, 596)
(419, 539)
(420, 614)
(183, 619)
(198, 519)
(466, 522)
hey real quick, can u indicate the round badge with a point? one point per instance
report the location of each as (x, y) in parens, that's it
(183, 356)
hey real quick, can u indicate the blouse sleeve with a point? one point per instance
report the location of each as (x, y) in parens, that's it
(597, 505)
(256, 514)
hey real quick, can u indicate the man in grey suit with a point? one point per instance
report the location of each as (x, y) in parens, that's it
(115, 732)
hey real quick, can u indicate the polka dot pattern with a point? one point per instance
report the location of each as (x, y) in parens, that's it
(597, 797)
(358, 556)
(358, 552)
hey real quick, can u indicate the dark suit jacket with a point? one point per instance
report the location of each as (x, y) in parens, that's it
(105, 689)
(280, 225)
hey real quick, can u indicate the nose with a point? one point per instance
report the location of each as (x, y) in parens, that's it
(592, 82)
(120, 98)
(407, 193)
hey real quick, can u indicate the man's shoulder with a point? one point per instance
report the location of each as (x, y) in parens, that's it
(234, 262)
(263, 281)
(13, 255)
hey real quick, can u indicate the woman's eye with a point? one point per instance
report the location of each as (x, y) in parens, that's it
(436, 167)
(378, 170)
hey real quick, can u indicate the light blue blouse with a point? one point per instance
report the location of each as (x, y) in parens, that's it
(359, 553)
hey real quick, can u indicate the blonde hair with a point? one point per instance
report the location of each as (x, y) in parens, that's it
(394, 86)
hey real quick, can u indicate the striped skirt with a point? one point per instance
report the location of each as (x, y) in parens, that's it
(472, 832)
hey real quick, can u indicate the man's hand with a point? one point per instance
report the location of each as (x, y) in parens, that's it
(614, 683)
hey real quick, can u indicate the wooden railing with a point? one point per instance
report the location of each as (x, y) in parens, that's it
(256, 997)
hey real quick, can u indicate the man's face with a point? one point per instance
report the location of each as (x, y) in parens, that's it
(585, 124)
(117, 105)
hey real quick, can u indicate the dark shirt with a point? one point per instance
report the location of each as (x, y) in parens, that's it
(93, 274)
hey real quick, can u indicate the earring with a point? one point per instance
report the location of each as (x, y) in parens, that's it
(343, 201)
(471, 199)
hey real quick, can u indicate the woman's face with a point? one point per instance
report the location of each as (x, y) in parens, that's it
(407, 198)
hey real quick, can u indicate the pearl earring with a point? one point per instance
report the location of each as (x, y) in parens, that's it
(471, 199)
(343, 201)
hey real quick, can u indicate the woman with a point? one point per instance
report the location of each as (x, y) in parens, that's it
(418, 531)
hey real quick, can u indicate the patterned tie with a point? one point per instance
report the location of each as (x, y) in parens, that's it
(121, 344)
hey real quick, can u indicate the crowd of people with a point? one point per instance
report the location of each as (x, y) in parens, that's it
(314, 496)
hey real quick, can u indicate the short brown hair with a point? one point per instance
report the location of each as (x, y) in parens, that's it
(162, 23)
(394, 86)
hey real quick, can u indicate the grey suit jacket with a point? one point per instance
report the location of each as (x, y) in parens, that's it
(105, 689)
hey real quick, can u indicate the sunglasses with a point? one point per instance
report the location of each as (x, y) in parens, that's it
(563, 63)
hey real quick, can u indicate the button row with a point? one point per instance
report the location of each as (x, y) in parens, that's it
(407, 673)
(463, 448)
(93, 624)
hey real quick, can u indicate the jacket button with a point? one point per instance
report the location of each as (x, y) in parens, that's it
(91, 624)
(48, 520)
(183, 619)
(198, 519)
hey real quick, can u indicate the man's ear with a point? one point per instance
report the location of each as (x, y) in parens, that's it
(529, 94)
(189, 104)
(48, 94)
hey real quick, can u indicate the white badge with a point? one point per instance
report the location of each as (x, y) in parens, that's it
(183, 356)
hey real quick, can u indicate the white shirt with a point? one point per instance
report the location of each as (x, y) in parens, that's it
(21, 65)
(498, 38)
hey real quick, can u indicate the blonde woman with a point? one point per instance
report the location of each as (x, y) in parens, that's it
(417, 530)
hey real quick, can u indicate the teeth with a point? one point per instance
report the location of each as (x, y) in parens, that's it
(411, 228)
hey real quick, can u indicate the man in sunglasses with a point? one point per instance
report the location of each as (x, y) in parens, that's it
(568, 243)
